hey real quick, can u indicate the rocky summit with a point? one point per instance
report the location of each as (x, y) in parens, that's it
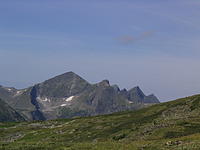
(68, 95)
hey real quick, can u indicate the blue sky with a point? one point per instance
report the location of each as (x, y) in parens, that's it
(154, 44)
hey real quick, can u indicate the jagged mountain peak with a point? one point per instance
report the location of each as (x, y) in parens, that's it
(66, 76)
(70, 73)
(124, 90)
(136, 95)
(116, 87)
(104, 83)
(64, 85)
(151, 95)
(151, 99)
(136, 91)
(136, 88)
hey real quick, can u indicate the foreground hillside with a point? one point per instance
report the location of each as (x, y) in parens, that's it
(171, 125)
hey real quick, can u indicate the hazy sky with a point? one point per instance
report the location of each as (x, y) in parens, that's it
(151, 43)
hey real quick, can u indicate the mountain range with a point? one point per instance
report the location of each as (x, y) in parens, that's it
(68, 95)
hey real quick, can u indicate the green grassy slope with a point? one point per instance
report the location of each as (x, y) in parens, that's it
(171, 125)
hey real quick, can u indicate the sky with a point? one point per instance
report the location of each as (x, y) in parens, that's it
(152, 44)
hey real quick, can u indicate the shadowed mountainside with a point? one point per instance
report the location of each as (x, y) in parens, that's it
(8, 114)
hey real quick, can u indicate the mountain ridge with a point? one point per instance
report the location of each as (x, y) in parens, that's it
(69, 95)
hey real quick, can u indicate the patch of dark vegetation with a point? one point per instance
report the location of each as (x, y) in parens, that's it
(189, 129)
(8, 124)
(119, 137)
(69, 113)
(195, 103)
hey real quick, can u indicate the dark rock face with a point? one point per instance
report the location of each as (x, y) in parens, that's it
(104, 83)
(63, 85)
(151, 99)
(137, 96)
(8, 114)
(68, 95)
(116, 88)
(36, 114)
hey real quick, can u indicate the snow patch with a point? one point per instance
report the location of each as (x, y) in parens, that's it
(44, 100)
(38, 98)
(63, 105)
(9, 89)
(18, 92)
(69, 99)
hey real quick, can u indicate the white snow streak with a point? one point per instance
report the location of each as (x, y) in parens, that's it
(69, 99)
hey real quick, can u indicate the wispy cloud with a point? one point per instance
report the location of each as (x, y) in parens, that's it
(130, 39)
